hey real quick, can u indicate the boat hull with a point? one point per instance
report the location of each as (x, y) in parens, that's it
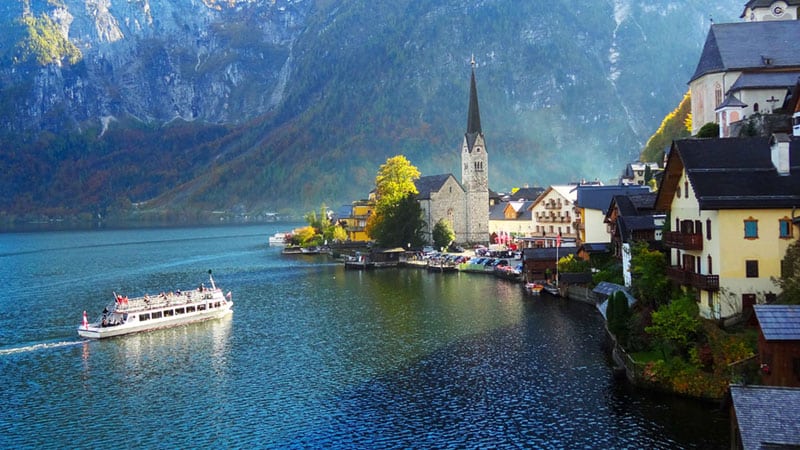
(94, 332)
(136, 318)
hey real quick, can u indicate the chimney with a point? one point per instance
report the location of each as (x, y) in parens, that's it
(779, 152)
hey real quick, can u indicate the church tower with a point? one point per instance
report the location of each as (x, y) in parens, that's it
(475, 171)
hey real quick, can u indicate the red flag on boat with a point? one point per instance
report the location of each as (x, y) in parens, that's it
(85, 321)
(228, 295)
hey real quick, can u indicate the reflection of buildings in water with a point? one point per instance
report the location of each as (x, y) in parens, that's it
(210, 337)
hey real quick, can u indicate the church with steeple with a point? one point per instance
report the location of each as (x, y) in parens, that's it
(465, 203)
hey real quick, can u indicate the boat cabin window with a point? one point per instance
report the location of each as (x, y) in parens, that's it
(190, 309)
(168, 312)
(180, 310)
(145, 316)
(201, 307)
(156, 315)
(216, 304)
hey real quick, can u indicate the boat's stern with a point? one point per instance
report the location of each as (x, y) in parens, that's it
(89, 332)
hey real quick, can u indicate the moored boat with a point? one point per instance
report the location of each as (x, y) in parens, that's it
(132, 315)
(279, 238)
(534, 288)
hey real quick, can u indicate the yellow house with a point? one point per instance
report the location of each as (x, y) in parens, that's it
(356, 223)
(730, 204)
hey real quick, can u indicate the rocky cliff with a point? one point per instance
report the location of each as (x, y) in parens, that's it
(313, 95)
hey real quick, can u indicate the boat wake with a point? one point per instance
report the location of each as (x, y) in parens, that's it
(35, 347)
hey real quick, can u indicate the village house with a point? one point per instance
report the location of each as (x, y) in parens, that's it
(637, 173)
(591, 206)
(631, 219)
(553, 218)
(779, 344)
(730, 203)
(509, 220)
(353, 218)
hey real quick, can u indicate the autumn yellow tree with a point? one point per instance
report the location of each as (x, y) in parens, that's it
(394, 181)
(672, 127)
(393, 184)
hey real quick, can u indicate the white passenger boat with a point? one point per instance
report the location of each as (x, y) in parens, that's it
(279, 238)
(149, 312)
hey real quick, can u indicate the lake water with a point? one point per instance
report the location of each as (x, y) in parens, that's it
(313, 356)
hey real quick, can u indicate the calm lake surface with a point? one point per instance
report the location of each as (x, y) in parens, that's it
(313, 356)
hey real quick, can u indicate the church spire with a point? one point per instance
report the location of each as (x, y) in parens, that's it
(474, 115)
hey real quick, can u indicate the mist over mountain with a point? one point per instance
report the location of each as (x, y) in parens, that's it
(256, 105)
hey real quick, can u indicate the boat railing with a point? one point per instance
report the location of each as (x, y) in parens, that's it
(165, 300)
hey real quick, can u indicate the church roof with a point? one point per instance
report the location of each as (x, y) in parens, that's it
(772, 80)
(750, 45)
(473, 115)
(432, 183)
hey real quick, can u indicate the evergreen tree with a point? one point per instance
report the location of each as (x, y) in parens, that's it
(618, 315)
(400, 225)
(443, 234)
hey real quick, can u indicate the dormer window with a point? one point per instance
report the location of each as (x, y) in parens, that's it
(766, 60)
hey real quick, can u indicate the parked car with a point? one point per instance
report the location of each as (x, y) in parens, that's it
(455, 248)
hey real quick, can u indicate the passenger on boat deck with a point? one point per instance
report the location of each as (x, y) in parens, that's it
(202, 287)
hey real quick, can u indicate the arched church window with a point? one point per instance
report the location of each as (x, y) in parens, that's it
(755, 107)
(717, 94)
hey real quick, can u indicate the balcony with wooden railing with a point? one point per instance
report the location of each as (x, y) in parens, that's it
(695, 280)
(683, 241)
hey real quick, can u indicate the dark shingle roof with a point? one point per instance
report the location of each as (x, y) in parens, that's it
(431, 183)
(599, 197)
(595, 247)
(744, 45)
(779, 322)
(636, 204)
(547, 254)
(628, 224)
(497, 211)
(731, 102)
(527, 193)
(767, 416)
(773, 80)
(737, 173)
